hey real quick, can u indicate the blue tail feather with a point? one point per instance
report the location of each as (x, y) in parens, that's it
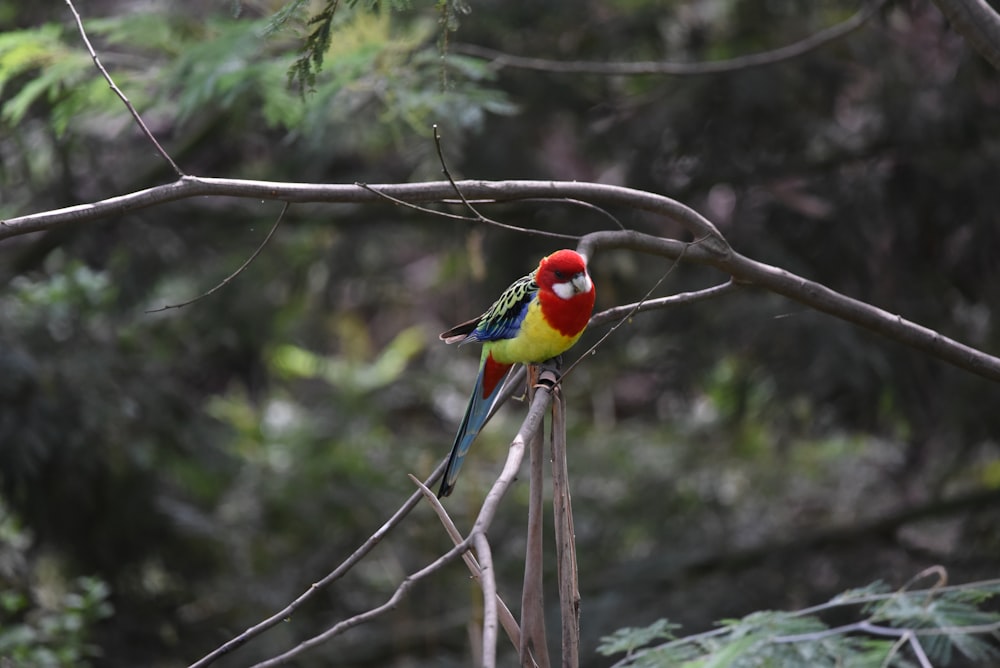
(475, 416)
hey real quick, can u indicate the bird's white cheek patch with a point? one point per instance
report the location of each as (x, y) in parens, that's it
(564, 290)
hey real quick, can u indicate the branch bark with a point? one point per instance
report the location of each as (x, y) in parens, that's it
(746, 271)
(487, 512)
(330, 578)
(709, 247)
(534, 646)
(433, 191)
(566, 568)
(978, 23)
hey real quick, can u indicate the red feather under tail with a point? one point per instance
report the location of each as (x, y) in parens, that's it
(484, 396)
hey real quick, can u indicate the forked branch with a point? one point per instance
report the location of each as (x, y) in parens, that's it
(711, 248)
(475, 538)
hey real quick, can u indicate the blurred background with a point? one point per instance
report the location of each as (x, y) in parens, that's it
(169, 478)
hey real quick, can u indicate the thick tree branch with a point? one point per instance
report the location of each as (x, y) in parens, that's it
(434, 191)
(746, 271)
(977, 22)
(710, 247)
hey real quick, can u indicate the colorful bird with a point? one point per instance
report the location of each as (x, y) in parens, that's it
(537, 318)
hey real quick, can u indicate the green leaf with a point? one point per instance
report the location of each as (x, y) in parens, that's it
(630, 638)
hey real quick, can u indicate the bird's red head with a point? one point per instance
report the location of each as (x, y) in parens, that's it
(565, 291)
(565, 273)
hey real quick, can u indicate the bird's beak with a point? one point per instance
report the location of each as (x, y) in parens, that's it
(581, 283)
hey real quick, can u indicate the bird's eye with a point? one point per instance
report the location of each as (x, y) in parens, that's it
(560, 275)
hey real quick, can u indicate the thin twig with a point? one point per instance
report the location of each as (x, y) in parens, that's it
(487, 512)
(580, 203)
(331, 577)
(479, 217)
(875, 598)
(372, 613)
(447, 175)
(811, 43)
(114, 87)
(506, 616)
(937, 571)
(473, 219)
(628, 314)
(918, 650)
(228, 279)
(628, 310)
(893, 651)
(417, 207)
(867, 626)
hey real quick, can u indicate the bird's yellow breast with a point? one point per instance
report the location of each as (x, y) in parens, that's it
(536, 341)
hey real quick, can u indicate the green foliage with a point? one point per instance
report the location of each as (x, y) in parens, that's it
(45, 626)
(381, 69)
(302, 73)
(211, 462)
(756, 640)
(348, 374)
(43, 67)
(627, 640)
(941, 620)
(937, 620)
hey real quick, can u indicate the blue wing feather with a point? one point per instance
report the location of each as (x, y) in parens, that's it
(504, 317)
(502, 328)
(501, 321)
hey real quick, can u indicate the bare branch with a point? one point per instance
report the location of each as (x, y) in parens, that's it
(533, 637)
(616, 313)
(117, 91)
(475, 219)
(506, 617)
(334, 575)
(812, 294)
(580, 203)
(487, 512)
(447, 175)
(811, 43)
(624, 318)
(401, 591)
(710, 249)
(977, 22)
(488, 581)
(434, 191)
(562, 509)
(918, 650)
